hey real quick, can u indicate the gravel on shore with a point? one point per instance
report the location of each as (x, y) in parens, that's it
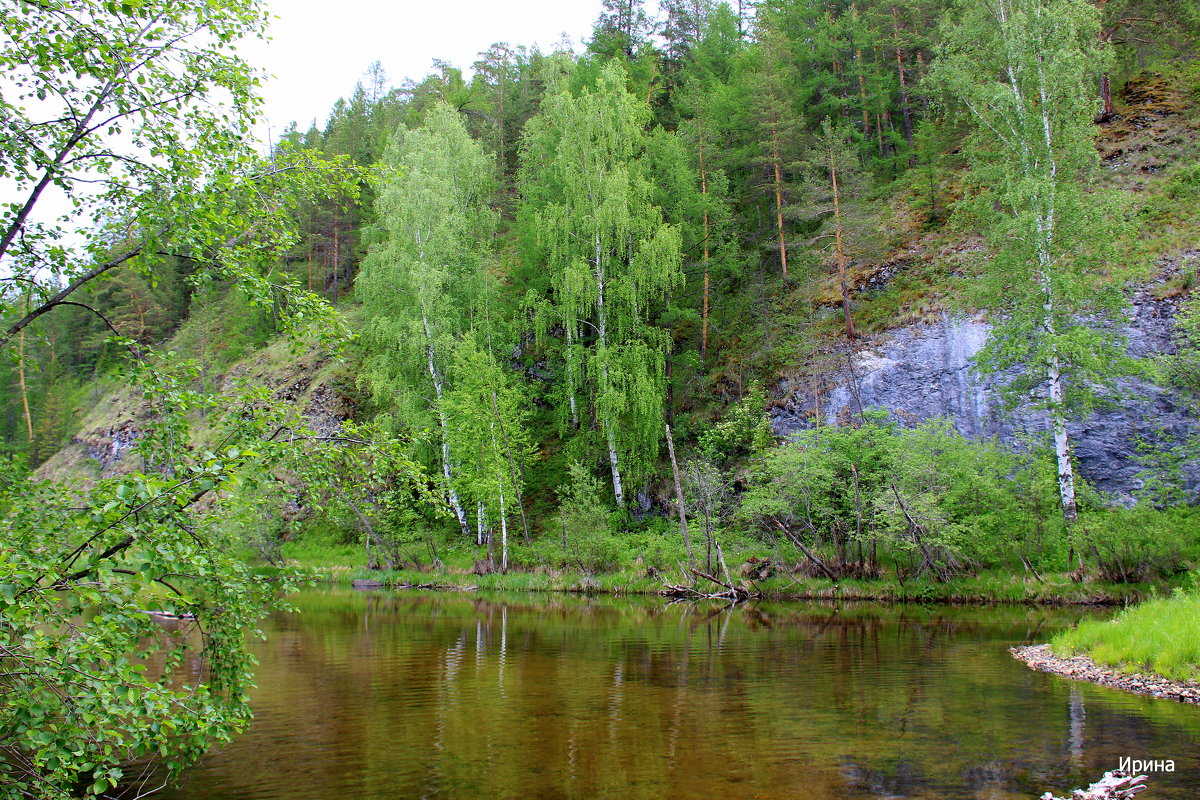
(1082, 668)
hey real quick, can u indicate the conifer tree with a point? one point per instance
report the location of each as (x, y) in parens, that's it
(831, 186)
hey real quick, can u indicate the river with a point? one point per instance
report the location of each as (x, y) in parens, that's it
(413, 695)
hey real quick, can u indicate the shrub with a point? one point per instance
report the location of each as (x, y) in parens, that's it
(1142, 543)
(584, 523)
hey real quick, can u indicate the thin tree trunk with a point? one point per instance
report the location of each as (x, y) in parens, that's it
(841, 250)
(862, 81)
(369, 529)
(21, 383)
(503, 511)
(687, 540)
(704, 310)
(602, 330)
(857, 513)
(1106, 98)
(447, 469)
(337, 263)
(1062, 442)
(571, 379)
(778, 168)
(905, 109)
(1055, 386)
(512, 470)
(1107, 111)
(503, 534)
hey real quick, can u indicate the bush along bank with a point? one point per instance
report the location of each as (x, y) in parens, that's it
(758, 578)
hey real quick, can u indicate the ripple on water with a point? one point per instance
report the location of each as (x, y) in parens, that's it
(419, 695)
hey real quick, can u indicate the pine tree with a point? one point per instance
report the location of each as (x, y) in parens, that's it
(831, 188)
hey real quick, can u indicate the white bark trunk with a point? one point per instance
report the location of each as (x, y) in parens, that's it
(602, 331)
(500, 490)
(503, 533)
(447, 469)
(687, 540)
(1062, 443)
(571, 377)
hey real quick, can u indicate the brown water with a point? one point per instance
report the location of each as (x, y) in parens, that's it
(385, 695)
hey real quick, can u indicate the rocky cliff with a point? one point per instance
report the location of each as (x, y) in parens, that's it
(926, 370)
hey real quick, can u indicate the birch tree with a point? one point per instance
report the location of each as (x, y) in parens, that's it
(1026, 70)
(488, 427)
(424, 282)
(586, 204)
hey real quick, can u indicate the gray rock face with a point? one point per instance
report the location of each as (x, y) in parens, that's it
(925, 371)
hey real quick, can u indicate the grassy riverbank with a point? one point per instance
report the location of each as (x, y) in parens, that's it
(343, 565)
(1160, 636)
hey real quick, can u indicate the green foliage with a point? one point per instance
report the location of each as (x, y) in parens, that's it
(83, 697)
(925, 494)
(587, 540)
(1142, 543)
(161, 111)
(588, 217)
(488, 428)
(157, 98)
(744, 431)
(979, 502)
(424, 283)
(1157, 636)
(1025, 71)
(1182, 369)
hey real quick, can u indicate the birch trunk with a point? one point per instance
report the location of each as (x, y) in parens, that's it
(512, 469)
(447, 470)
(1056, 392)
(683, 527)
(602, 331)
(571, 379)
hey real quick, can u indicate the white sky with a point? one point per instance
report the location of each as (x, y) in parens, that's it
(320, 48)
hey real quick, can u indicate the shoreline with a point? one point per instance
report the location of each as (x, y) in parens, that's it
(1082, 668)
(959, 593)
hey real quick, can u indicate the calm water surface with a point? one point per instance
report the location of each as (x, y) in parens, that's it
(394, 695)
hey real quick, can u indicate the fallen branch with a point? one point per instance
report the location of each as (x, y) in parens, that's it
(807, 553)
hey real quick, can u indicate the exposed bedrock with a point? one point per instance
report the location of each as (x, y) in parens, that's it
(926, 370)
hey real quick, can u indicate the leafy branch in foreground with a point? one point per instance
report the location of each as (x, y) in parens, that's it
(138, 116)
(91, 682)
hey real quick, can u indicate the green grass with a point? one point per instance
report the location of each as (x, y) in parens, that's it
(343, 563)
(1160, 636)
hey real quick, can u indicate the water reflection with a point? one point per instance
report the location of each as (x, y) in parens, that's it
(402, 695)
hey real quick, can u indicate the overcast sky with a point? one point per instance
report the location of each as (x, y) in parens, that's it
(320, 48)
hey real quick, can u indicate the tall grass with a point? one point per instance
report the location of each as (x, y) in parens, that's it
(1160, 636)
